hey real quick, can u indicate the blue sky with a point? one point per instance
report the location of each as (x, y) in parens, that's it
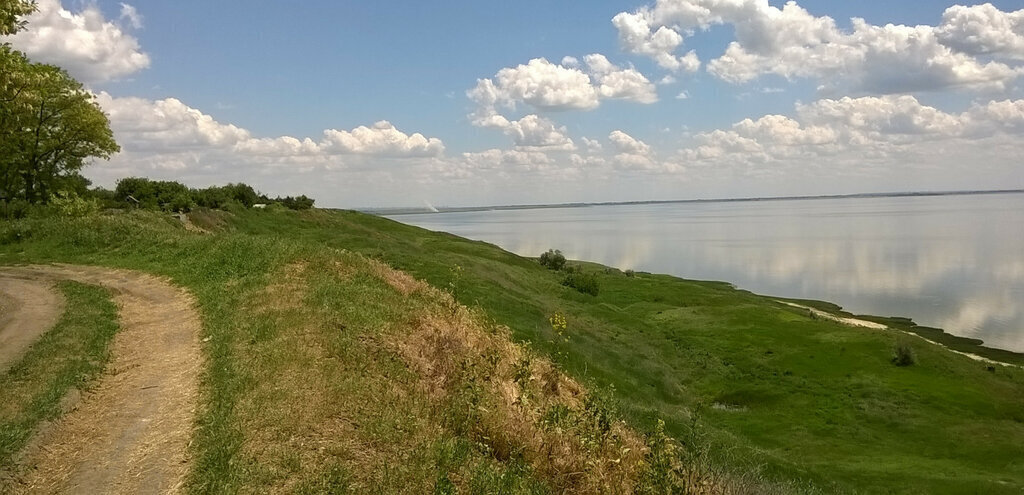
(920, 95)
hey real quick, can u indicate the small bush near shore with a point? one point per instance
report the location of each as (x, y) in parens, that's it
(552, 260)
(584, 282)
(903, 353)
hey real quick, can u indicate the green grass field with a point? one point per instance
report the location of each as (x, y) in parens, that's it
(756, 387)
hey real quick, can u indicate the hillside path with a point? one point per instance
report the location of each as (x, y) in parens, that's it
(28, 308)
(130, 432)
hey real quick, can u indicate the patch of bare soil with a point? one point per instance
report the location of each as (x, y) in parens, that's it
(28, 308)
(129, 433)
(189, 226)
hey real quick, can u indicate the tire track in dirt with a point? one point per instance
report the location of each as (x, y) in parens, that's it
(130, 432)
(28, 308)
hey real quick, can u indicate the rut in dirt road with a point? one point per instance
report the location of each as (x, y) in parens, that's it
(28, 308)
(130, 432)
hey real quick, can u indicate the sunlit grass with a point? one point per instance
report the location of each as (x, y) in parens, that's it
(66, 358)
(301, 339)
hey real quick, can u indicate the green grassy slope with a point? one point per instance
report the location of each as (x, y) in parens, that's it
(810, 399)
(805, 399)
(308, 385)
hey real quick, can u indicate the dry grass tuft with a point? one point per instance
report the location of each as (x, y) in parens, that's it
(518, 404)
(404, 283)
(207, 220)
(288, 290)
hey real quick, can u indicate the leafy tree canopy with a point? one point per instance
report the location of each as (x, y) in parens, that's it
(10, 13)
(50, 126)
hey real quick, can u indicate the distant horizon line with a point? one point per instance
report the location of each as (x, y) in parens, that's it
(420, 210)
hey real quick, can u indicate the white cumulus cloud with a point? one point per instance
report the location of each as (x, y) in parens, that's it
(530, 132)
(880, 128)
(538, 83)
(165, 125)
(548, 86)
(793, 43)
(168, 134)
(637, 35)
(592, 145)
(618, 83)
(983, 30)
(87, 45)
(380, 139)
(625, 143)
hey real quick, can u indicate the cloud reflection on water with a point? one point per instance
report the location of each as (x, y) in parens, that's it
(955, 262)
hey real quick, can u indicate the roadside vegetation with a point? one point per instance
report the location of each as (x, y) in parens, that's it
(337, 362)
(66, 359)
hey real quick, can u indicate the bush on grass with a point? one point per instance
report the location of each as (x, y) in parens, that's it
(903, 353)
(552, 260)
(585, 283)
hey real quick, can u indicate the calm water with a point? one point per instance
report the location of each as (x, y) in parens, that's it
(954, 262)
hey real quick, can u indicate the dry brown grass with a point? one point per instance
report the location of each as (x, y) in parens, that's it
(453, 351)
(377, 403)
(310, 409)
(207, 220)
(286, 421)
(287, 292)
(402, 282)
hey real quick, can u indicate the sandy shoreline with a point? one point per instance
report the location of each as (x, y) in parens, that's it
(854, 322)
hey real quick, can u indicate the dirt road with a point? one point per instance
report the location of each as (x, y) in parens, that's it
(28, 308)
(129, 433)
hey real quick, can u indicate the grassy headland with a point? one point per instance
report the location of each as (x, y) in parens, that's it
(307, 335)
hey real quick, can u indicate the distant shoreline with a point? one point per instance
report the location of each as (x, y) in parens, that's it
(460, 209)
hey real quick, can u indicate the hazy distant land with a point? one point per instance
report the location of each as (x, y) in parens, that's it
(413, 210)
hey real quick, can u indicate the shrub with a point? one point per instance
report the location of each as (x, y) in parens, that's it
(220, 196)
(106, 197)
(296, 203)
(178, 202)
(630, 273)
(585, 283)
(903, 353)
(63, 204)
(552, 260)
(243, 193)
(211, 197)
(14, 209)
(152, 194)
(69, 204)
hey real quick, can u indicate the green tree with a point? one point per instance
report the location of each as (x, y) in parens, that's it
(164, 195)
(243, 193)
(211, 197)
(50, 126)
(552, 259)
(12, 84)
(55, 127)
(10, 13)
(297, 203)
